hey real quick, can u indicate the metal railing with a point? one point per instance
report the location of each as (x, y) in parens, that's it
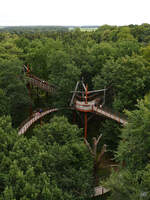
(110, 114)
(40, 83)
(36, 116)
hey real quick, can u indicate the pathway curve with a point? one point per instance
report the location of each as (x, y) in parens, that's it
(36, 116)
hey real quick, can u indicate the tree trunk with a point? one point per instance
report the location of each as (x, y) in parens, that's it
(95, 174)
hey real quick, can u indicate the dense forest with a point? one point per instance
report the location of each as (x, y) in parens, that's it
(51, 160)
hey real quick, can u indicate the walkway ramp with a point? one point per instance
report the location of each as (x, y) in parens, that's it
(109, 114)
(36, 116)
(35, 81)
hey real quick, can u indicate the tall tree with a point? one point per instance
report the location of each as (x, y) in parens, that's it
(132, 181)
(53, 164)
(127, 77)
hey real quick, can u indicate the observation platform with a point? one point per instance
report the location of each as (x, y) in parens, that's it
(85, 107)
(91, 106)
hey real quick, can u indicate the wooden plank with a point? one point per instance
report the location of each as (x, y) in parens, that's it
(100, 190)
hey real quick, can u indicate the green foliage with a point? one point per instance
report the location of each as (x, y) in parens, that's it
(57, 131)
(141, 32)
(132, 182)
(102, 53)
(35, 168)
(125, 186)
(111, 135)
(127, 47)
(134, 146)
(9, 49)
(70, 159)
(145, 51)
(42, 166)
(16, 95)
(65, 80)
(125, 34)
(128, 77)
(4, 106)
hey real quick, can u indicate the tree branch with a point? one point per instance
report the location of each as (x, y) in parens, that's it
(98, 139)
(101, 154)
(88, 145)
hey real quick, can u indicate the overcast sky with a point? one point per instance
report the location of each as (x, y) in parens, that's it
(74, 12)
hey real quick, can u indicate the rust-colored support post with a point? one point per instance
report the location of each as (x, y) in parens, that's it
(85, 125)
(85, 115)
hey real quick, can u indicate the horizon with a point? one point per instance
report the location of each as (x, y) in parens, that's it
(39, 25)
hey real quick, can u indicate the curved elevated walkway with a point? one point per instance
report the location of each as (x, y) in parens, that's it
(101, 111)
(36, 116)
(79, 105)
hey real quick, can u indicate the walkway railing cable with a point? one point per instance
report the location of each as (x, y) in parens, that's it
(110, 114)
(30, 120)
(35, 117)
(35, 81)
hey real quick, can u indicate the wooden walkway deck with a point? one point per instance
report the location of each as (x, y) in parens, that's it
(35, 81)
(99, 190)
(109, 114)
(36, 116)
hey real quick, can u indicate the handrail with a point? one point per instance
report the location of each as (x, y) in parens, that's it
(36, 116)
(31, 116)
(108, 113)
(40, 83)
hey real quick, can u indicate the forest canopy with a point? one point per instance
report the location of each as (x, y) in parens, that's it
(51, 161)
